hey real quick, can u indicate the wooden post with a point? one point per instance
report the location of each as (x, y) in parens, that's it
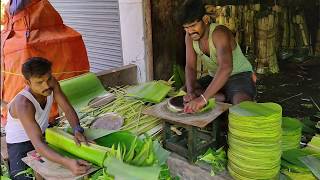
(148, 39)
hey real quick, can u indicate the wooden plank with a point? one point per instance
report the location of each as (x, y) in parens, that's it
(148, 39)
(179, 166)
(50, 170)
(200, 120)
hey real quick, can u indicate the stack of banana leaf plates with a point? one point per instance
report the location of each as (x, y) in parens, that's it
(291, 133)
(254, 140)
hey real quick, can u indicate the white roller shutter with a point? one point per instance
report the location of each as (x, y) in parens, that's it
(99, 23)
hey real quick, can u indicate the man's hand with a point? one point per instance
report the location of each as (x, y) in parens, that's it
(79, 138)
(195, 105)
(189, 97)
(77, 166)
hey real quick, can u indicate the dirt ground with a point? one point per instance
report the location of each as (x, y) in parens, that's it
(296, 88)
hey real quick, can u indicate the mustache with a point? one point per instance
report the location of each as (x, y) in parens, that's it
(194, 33)
(49, 89)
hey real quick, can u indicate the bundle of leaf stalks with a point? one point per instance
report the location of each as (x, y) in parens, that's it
(248, 27)
(265, 34)
(254, 140)
(130, 109)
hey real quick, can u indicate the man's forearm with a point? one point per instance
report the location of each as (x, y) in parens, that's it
(190, 79)
(45, 151)
(72, 117)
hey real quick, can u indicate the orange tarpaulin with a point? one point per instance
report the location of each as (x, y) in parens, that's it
(38, 30)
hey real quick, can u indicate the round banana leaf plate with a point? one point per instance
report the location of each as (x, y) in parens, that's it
(108, 121)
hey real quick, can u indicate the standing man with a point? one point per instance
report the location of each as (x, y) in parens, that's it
(230, 72)
(28, 115)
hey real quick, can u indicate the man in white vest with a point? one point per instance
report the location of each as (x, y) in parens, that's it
(28, 115)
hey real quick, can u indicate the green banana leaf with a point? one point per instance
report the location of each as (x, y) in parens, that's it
(81, 89)
(292, 159)
(4, 178)
(211, 104)
(217, 159)
(154, 91)
(291, 133)
(123, 171)
(125, 138)
(299, 176)
(292, 167)
(93, 134)
(161, 154)
(178, 76)
(314, 144)
(313, 163)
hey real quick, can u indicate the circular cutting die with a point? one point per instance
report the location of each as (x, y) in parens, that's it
(176, 104)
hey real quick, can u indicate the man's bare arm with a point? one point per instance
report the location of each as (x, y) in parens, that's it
(222, 42)
(25, 112)
(191, 65)
(64, 104)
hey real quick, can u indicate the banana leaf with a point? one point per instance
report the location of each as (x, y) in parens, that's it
(179, 77)
(123, 171)
(314, 144)
(211, 104)
(292, 167)
(93, 153)
(299, 176)
(309, 126)
(293, 157)
(93, 133)
(154, 91)
(162, 154)
(81, 89)
(216, 159)
(4, 178)
(313, 163)
(125, 138)
(291, 133)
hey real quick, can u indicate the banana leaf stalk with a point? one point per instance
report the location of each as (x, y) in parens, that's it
(93, 153)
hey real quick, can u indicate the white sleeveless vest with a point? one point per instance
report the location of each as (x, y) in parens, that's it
(15, 132)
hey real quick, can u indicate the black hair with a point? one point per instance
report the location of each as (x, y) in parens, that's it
(35, 66)
(190, 11)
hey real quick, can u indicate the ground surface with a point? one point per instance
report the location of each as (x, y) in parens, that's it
(294, 88)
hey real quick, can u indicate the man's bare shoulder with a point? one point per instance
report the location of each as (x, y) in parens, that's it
(21, 105)
(221, 31)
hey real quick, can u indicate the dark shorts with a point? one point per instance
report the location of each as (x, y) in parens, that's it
(238, 83)
(16, 152)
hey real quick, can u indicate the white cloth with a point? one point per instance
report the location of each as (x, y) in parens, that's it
(15, 132)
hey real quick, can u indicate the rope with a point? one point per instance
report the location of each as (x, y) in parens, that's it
(67, 72)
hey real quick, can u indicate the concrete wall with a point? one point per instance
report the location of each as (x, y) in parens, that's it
(132, 35)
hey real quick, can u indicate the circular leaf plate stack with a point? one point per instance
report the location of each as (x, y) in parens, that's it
(254, 140)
